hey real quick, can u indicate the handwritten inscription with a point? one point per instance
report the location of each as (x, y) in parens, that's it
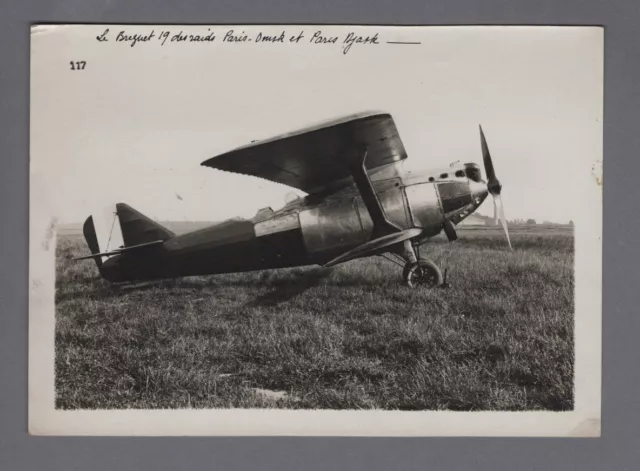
(134, 38)
(231, 36)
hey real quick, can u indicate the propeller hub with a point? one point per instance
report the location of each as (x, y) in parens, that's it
(494, 187)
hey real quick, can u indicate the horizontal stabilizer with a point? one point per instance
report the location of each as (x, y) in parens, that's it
(121, 250)
(375, 246)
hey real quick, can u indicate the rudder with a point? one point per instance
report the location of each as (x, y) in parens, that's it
(89, 232)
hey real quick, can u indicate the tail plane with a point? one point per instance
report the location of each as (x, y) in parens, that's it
(137, 231)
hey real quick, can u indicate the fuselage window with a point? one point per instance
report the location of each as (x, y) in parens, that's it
(460, 173)
(444, 175)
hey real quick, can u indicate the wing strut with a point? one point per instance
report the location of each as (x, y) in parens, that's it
(381, 224)
(385, 233)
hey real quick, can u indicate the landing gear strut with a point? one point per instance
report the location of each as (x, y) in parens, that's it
(422, 273)
(419, 270)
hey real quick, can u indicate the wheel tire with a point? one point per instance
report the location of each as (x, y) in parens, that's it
(422, 273)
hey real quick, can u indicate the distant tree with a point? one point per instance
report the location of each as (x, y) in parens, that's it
(531, 222)
(571, 222)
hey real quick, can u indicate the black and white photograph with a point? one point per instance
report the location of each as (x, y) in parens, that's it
(315, 230)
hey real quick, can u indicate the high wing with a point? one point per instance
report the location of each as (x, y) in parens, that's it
(321, 157)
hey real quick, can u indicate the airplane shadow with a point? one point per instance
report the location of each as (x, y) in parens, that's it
(283, 286)
(288, 288)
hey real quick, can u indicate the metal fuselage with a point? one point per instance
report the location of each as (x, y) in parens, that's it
(308, 231)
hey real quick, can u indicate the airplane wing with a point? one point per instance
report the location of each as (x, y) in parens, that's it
(321, 157)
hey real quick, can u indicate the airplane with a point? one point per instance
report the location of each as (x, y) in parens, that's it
(360, 202)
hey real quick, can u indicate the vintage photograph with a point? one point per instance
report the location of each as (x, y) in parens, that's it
(385, 226)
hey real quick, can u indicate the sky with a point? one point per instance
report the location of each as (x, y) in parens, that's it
(136, 123)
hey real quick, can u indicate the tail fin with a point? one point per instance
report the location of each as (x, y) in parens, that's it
(89, 231)
(137, 231)
(137, 228)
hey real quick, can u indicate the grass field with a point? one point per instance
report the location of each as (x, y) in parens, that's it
(350, 337)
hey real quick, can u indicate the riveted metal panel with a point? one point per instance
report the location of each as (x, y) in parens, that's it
(394, 203)
(332, 227)
(425, 207)
(454, 195)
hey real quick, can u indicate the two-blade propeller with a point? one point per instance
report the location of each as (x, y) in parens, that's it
(494, 187)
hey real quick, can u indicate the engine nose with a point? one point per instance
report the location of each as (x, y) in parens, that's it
(479, 192)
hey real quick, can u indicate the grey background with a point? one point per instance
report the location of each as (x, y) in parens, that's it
(616, 450)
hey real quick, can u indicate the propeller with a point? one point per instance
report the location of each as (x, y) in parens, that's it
(494, 186)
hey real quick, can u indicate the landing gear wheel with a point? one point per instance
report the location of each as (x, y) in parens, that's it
(422, 273)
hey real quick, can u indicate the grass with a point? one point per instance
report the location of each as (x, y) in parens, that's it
(350, 337)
